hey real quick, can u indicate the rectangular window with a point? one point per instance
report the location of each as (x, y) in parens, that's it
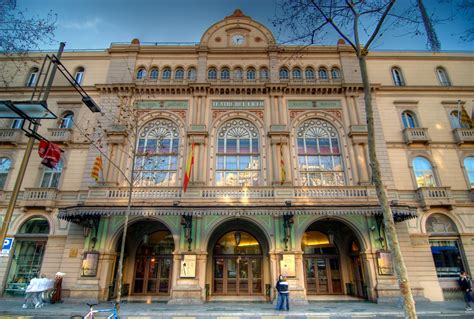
(447, 257)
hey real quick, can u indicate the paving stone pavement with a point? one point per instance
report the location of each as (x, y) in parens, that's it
(11, 308)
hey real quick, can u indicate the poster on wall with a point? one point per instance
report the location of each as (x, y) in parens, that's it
(188, 266)
(384, 263)
(287, 265)
(90, 263)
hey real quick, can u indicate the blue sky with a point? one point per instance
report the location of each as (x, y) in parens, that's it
(94, 24)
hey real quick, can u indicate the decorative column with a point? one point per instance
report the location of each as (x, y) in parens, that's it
(359, 135)
(197, 134)
(116, 139)
(279, 146)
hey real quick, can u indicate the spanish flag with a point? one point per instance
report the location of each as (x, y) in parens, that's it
(282, 165)
(96, 168)
(189, 167)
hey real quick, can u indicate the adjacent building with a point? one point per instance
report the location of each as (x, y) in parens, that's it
(280, 183)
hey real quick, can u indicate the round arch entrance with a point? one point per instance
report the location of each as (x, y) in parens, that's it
(332, 262)
(238, 263)
(148, 259)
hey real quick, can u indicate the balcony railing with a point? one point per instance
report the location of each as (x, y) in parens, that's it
(435, 196)
(62, 135)
(40, 197)
(464, 135)
(12, 135)
(416, 135)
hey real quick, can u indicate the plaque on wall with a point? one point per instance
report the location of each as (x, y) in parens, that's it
(238, 104)
(188, 266)
(314, 104)
(165, 104)
(287, 265)
(90, 262)
(384, 263)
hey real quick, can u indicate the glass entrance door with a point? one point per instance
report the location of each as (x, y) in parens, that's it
(237, 265)
(323, 275)
(152, 275)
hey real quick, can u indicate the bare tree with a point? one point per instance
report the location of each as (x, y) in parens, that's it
(360, 24)
(20, 33)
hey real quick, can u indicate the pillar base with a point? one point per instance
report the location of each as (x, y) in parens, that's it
(186, 292)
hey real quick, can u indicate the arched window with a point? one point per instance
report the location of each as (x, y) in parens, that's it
(309, 74)
(264, 74)
(445, 245)
(212, 74)
(79, 75)
(238, 74)
(238, 154)
(443, 77)
(397, 77)
(469, 167)
(409, 120)
(192, 74)
(460, 119)
(323, 74)
(141, 74)
(319, 154)
(51, 176)
(5, 165)
(67, 120)
(179, 74)
(423, 172)
(154, 74)
(32, 77)
(167, 74)
(225, 74)
(283, 74)
(157, 154)
(17, 123)
(35, 225)
(251, 74)
(335, 74)
(296, 74)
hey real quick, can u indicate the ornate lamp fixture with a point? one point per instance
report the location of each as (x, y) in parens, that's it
(187, 223)
(237, 237)
(287, 223)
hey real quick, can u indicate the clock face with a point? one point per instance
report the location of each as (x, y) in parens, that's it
(238, 39)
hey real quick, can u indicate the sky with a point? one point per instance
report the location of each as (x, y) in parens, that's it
(95, 24)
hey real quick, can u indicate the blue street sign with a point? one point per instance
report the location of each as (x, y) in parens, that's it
(7, 246)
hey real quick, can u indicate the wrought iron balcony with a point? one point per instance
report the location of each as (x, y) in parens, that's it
(464, 135)
(435, 196)
(416, 135)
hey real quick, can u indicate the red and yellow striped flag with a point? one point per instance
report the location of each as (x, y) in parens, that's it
(189, 167)
(282, 165)
(96, 168)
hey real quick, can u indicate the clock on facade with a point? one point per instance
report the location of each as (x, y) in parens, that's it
(238, 39)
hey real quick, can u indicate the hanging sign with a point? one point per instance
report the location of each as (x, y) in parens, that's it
(7, 246)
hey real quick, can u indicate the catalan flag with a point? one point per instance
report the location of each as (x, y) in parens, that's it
(282, 165)
(189, 167)
(96, 168)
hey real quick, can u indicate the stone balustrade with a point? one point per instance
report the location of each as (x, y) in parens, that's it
(435, 196)
(416, 135)
(62, 135)
(12, 136)
(463, 135)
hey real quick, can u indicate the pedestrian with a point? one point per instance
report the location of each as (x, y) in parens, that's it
(58, 281)
(466, 286)
(284, 294)
(32, 294)
(280, 279)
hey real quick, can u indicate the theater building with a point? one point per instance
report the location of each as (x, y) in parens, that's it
(280, 183)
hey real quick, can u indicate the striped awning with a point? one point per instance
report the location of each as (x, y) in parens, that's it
(76, 213)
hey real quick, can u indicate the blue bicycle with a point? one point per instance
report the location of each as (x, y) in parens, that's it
(92, 312)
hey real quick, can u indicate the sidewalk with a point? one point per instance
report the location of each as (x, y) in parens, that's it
(11, 308)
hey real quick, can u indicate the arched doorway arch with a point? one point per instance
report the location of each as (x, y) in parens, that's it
(148, 258)
(28, 252)
(332, 259)
(238, 263)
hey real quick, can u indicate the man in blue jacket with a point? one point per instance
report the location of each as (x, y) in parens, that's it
(283, 293)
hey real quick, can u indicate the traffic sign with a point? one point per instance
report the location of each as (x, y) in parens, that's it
(7, 246)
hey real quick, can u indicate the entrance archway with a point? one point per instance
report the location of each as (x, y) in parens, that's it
(238, 263)
(332, 262)
(148, 259)
(27, 258)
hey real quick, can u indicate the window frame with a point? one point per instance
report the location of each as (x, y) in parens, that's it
(336, 71)
(296, 74)
(407, 114)
(166, 74)
(191, 74)
(4, 173)
(264, 71)
(433, 171)
(141, 74)
(212, 74)
(32, 77)
(238, 74)
(154, 74)
(309, 71)
(323, 74)
(225, 74)
(251, 74)
(467, 171)
(442, 76)
(311, 127)
(225, 157)
(179, 74)
(79, 74)
(284, 74)
(67, 120)
(56, 174)
(397, 76)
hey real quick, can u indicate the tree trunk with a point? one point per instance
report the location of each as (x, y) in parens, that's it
(399, 264)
